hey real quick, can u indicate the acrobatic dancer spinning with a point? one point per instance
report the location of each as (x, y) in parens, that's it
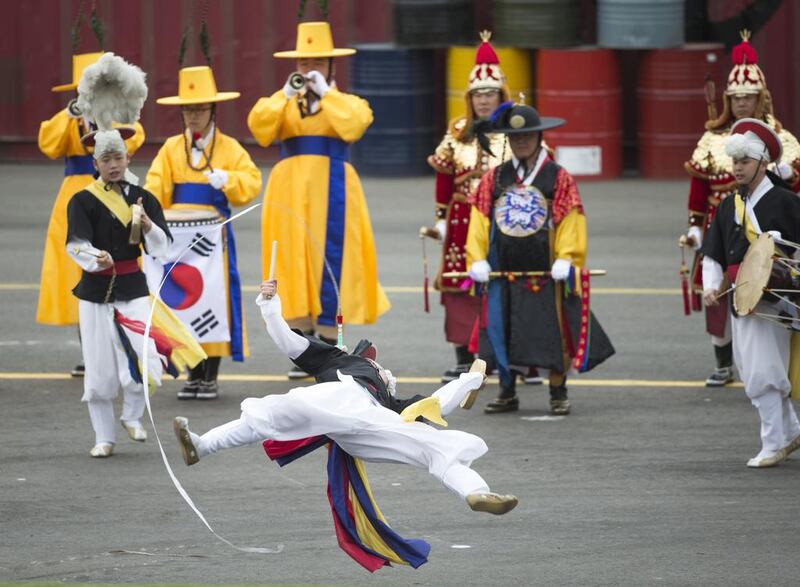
(353, 405)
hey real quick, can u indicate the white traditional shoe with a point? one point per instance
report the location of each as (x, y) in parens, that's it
(181, 427)
(101, 450)
(478, 366)
(493, 503)
(135, 431)
(792, 446)
(770, 461)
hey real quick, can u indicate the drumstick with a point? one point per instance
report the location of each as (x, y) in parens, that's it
(272, 260)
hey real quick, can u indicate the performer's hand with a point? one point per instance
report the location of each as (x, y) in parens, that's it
(560, 269)
(696, 234)
(784, 171)
(217, 178)
(441, 226)
(269, 289)
(776, 235)
(479, 271)
(317, 83)
(104, 260)
(147, 224)
(710, 297)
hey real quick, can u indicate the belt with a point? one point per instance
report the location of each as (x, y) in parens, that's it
(121, 268)
(79, 165)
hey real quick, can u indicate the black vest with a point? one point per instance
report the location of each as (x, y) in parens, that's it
(532, 252)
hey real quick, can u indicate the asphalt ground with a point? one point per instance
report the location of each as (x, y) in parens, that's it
(643, 484)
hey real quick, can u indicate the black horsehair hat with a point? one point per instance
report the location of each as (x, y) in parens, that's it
(510, 118)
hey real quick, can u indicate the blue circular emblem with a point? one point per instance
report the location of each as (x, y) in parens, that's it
(521, 211)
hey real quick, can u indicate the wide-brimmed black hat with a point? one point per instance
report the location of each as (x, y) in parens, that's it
(516, 118)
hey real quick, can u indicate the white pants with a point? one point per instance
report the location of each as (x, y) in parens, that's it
(349, 415)
(761, 353)
(107, 367)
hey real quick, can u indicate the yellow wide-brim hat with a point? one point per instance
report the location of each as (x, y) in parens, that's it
(314, 39)
(196, 85)
(79, 63)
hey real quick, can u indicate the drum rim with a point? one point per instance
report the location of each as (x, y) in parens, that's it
(747, 295)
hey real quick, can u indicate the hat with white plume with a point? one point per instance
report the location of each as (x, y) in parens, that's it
(111, 91)
(753, 139)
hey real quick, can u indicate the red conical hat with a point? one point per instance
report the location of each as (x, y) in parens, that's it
(486, 75)
(746, 76)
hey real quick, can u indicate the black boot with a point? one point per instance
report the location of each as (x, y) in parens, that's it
(559, 404)
(723, 374)
(507, 401)
(209, 389)
(464, 360)
(192, 385)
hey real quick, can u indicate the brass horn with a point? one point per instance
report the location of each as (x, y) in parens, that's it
(297, 81)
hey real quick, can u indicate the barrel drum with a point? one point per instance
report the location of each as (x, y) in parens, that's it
(515, 63)
(433, 23)
(399, 86)
(640, 24)
(537, 23)
(672, 106)
(582, 86)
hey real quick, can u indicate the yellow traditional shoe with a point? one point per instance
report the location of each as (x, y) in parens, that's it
(478, 366)
(771, 461)
(135, 431)
(101, 450)
(181, 427)
(792, 446)
(492, 503)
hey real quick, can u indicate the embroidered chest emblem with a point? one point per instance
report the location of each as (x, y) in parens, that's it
(521, 211)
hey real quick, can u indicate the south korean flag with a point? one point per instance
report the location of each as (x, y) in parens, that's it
(195, 288)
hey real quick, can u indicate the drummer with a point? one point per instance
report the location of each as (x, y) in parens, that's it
(761, 347)
(202, 168)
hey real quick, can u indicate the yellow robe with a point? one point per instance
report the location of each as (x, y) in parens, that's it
(295, 211)
(171, 167)
(60, 137)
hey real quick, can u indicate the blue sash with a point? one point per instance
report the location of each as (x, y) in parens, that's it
(338, 152)
(495, 312)
(204, 194)
(79, 165)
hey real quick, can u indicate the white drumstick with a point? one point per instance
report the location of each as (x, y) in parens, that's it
(272, 260)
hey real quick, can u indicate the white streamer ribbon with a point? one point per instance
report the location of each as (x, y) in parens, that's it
(145, 382)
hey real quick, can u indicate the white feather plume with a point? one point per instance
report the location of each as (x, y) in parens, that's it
(747, 144)
(112, 90)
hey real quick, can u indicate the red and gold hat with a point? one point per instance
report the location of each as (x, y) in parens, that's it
(746, 76)
(486, 75)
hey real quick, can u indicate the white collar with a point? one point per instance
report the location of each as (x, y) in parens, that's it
(759, 192)
(202, 142)
(528, 179)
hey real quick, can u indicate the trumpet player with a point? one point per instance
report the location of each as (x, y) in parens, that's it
(314, 204)
(761, 348)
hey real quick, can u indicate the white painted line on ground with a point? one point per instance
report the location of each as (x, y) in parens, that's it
(255, 378)
(414, 289)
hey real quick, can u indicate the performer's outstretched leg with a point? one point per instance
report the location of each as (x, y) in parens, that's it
(232, 434)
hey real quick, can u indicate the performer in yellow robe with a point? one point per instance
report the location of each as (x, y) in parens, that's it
(202, 168)
(60, 137)
(314, 204)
